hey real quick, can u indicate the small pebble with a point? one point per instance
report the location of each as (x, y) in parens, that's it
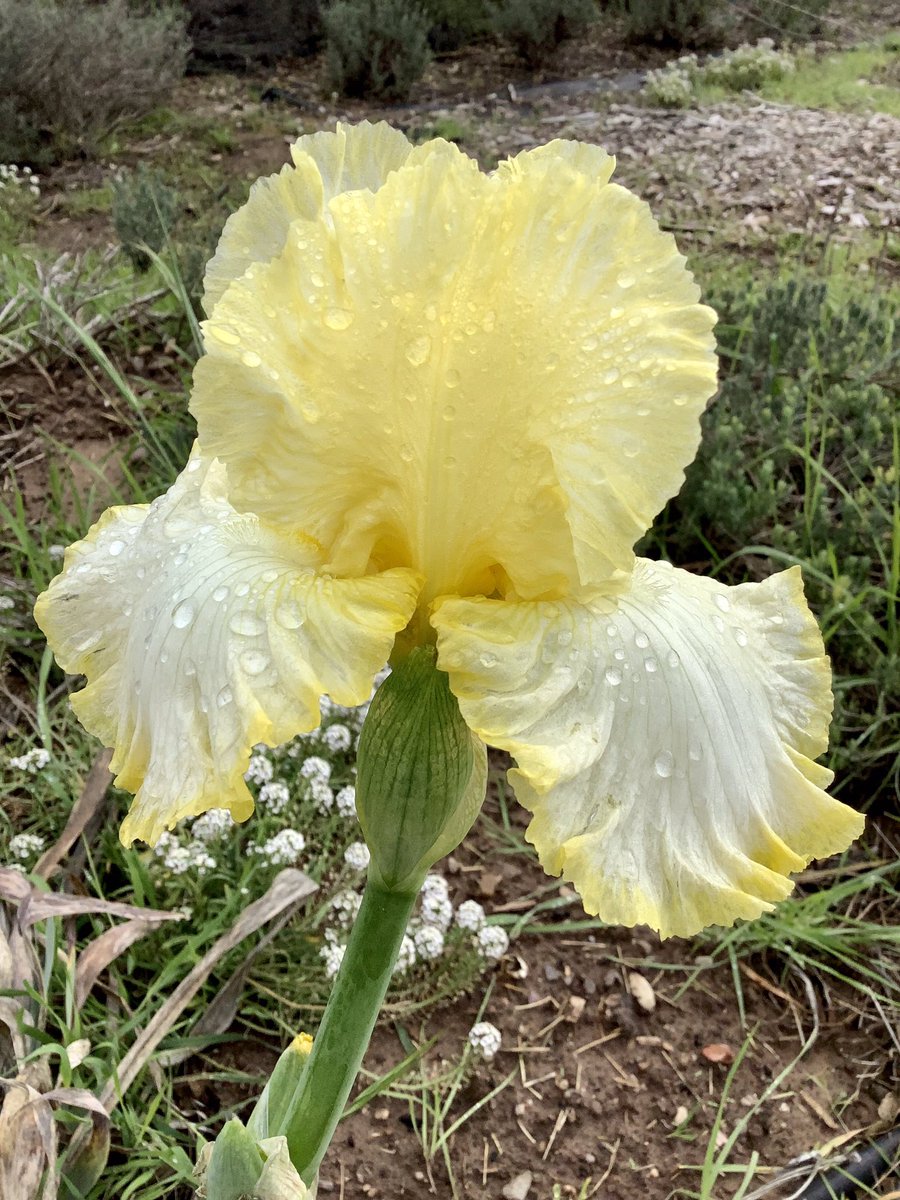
(518, 1188)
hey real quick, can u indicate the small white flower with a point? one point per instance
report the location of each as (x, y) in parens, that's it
(56, 551)
(337, 738)
(283, 849)
(7, 602)
(493, 942)
(200, 860)
(485, 1040)
(357, 856)
(212, 825)
(345, 906)
(259, 769)
(333, 954)
(26, 845)
(316, 767)
(470, 915)
(436, 910)
(274, 796)
(31, 761)
(435, 885)
(346, 801)
(429, 942)
(406, 956)
(322, 794)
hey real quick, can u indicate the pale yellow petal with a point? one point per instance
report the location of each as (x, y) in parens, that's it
(201, 632)
(493, 380)
(664, 734)
(324, 164)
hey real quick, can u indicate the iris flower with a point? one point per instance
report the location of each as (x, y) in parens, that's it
(440, 407)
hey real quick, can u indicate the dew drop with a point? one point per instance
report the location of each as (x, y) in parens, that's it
(418, 351)
(316, 279)
(289, 616)
(250, 358)
(672, 659)
(613, 677)
(641, 641)
(651, 665)
(254, 662)
(610, 376)
(220, 593)
(451, 379)
(247, 624)
(619, 655)
(695, 753)
(242, 588)
(449, 461)
(722, 603)
(430, 313)
(163, 656)
(488, 660)
(115, 548)
(625, 280)
(269, 576)
(190, 668)
(664, 764)
(338, 318)
(224, 697)
(740, 637)
(589, 344)
(310, 413)
(612, 631)
(406, 454)
(183, 615)
(615, 312)
(225, 335)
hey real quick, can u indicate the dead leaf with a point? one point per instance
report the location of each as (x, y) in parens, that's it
(93, 793)
(718, 1052)
(488, 883)
(642, 991)
(27, 1144)
(106, 948)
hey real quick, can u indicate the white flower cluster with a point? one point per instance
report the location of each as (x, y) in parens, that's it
(179, 859)
(333, 954)
(259, 769)
(345, 906)
(31, 761)
(6, 603)
(15, 176)
(485, 1040)
(25, 846)
(345, 801)
(274, 796)
(357, 856)
(747, 67)
(470, 916)
(316, 767)
(212, 825)
(493, 942)
(283, 849)
(337, 738)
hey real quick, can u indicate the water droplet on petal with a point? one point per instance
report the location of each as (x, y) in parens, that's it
(651, 665)
(695, 753)
(242, 589)
(338, 318)
(247, 624)
(269, 576)
(220, 593)
(613, 677)
(183, 615)
(115, 548)
(451, 379)
(740, 637)
(254, 662)
(488, 660)
(641, 641)
(664, 764)
(224, 697)
(672, 659)
(625, 280)
(224, 335)
(418, 351)
(722, 603)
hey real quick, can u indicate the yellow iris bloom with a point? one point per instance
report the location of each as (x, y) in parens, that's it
(442, 405)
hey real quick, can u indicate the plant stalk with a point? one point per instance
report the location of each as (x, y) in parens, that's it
(350, 1015)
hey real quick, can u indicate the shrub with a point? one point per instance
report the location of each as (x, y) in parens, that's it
(799, 463)
(746, 68)
(234, 34)
(375, 48)
(144, 212)
(785, 21)
(69, 70)
(673, 22)
(453, 23)
(536, 27)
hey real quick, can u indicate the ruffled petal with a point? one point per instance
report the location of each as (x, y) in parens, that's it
(664, 735)
(324, 164)
(201, 632)
(367, 376)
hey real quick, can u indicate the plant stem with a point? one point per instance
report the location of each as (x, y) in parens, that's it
(347, 1025)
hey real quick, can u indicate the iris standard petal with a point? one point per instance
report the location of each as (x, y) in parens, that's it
(202, 632)
(324, 164)
(495, 380)
(664, 736)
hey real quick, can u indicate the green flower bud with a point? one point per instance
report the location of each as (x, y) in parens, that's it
(421, 773)
(274, 1105)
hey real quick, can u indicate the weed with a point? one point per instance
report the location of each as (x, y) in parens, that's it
(377, 48)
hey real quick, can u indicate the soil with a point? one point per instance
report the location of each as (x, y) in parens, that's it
(598, 1086)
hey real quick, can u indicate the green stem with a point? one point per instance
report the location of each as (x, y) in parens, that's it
(347, 1025)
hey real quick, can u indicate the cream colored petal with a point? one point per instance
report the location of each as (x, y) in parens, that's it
(494, 380)
(664, 736)
(324, 164)
(201, 632)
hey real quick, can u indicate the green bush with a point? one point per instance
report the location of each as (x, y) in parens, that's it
(453, 23)
(144, 212)
(376, 48)
(536, 27)
(746, 68)
(235, 34)
(785, 20)
(673, 22)
(800, 464)
(69, 70)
